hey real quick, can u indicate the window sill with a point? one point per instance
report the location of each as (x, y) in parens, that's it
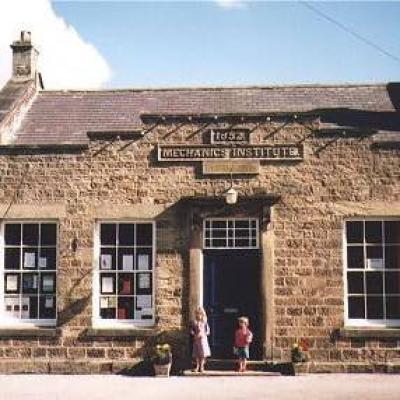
(369, 332)
(16, 333)
(121, 332)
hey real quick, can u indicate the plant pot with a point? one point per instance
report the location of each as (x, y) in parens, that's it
(162, 370)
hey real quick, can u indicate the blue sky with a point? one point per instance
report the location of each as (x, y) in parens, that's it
(203, 43)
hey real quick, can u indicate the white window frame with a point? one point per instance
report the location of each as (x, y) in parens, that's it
(361, 322)
(97, 321)
(211, 247)
(14, 322)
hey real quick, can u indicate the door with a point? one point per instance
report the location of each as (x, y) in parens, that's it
(231, 289)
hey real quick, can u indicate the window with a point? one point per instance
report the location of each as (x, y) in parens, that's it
(232, 233)
(372, 258)
(124, 281)
(28, 273)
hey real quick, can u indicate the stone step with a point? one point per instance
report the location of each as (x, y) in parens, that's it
(219, 373)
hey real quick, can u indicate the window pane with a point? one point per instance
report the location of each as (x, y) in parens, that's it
(242, 224)
(144, 234)
(126, 235)
(30, 283)
(374, 252)
(12, 258)
(30, 234)
(144, 259)
(11, 283)
(13, 234)
(108, 307)
(393, 307)
(47, 307)
(356, 307)
(354, 232)
(30, 258)
(355, 257)
(48, 283)
(219, 234)
(126, 258)
(392, 256)
(107, 283)
(373, 232)
(47, 258)
(242, 233)
(218, 243)
(48, 235)
(107, 258)
(374, 282)
(392, 232)
(108, 234)
(242, 243)
(29, 307)
(126, 284)
(374, 307)
(355, 282)
(144, 284)
(392, 282)
(126, 308)
(218, 224)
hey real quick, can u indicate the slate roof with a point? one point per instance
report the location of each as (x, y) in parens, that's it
(67, 116)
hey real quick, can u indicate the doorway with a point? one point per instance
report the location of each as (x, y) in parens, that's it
(231, 288)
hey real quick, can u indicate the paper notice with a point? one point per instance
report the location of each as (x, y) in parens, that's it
(143, 262)
(29, 260)
(107, 284)
(12, 283)
(144, 281)
(106, 261)
(42, 262)
(143, 301)
(127, 262)
(48, 303)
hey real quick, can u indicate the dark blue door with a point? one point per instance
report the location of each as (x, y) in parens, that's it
(232, 289)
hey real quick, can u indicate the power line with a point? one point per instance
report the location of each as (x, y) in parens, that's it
(350, 31)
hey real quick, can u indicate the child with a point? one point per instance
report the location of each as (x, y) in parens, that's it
(243, 338)
(199, 330)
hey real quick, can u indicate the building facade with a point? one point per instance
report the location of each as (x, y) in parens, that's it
(119, 218)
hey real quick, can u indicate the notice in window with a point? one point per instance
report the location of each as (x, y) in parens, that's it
(144, 281)
(49, 302)
(375, 263)
(127, 262)
(29, 260)
(106, 261)
(143, 301)
(107, 284)
(48, 283)
(12, 283)
(104, 302)
(143, 262)
(42, 262)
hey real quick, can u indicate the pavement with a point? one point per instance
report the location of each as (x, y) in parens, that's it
(111, 387)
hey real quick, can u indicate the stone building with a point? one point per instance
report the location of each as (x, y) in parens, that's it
(124, 210)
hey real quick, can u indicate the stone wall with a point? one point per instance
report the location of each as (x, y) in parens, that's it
(124, 180)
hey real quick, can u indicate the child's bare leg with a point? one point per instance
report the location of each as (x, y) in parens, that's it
(201, 364)
(244, 364)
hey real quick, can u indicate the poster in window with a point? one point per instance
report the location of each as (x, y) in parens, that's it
(127, 262)
(42, 262)
(12, 283)
(47, 283)
(106, 261)
(143, 301)
(107, 284)
(143, 262)
(375, 263)
(144, 281)
(29, 260)
(104, 302)
(49, 302)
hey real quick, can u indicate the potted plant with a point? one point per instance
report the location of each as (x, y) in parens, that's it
(162, 360)
(299, 355)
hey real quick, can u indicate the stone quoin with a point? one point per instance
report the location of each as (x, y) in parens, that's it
(114, 226)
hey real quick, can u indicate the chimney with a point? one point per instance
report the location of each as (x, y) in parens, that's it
(24, 59)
